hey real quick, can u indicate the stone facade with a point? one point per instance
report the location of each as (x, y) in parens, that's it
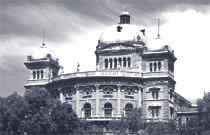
(128, 75)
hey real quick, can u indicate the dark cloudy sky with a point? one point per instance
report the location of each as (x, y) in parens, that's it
(72, 28)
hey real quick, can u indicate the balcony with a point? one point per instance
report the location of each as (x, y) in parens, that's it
(101, 118)
(98, 74)
(36, 82)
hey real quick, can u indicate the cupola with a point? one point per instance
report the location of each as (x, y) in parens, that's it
(125, 18)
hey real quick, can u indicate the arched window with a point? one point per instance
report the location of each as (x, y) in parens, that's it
(150, 67)
(87, 110)
(110, 62)
(106, 63)
(42, 74)
(34, 74)
(37, 73)
(115, 62)
(108, 110)
(155, 66)
(128, 108)
(124, 62)
(159, 65)
(129, 61)
(120, 61)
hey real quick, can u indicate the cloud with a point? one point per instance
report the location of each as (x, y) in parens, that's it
(62, 18)
(22, 23)
(12, 75)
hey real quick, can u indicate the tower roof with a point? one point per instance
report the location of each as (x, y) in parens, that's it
(42, 52)
(125, 13)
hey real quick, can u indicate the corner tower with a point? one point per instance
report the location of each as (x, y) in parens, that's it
(43, 66)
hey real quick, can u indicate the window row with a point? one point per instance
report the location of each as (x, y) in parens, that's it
(117, 62)
(38, 74)
(107, 109)
(155, 66)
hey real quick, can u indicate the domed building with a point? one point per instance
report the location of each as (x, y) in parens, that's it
(128, 75)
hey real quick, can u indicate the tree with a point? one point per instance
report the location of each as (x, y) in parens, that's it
(47, 115)
(65, 119)
(36, 113)
(135, 121)
(203, 118)
(119, 127)
(12, 112)
(161, 128)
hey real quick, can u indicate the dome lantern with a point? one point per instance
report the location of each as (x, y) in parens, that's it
(125, 18)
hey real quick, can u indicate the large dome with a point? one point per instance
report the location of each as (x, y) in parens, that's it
(122, 33)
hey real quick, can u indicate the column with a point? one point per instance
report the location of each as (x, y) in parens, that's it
(97, 100)
(61, 97)
(140, 97)
(118, 101)
(77, 102)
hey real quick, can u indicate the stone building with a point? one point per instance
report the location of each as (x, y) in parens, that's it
(128, 75)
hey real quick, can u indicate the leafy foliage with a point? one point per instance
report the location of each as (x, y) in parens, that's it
(36, 113)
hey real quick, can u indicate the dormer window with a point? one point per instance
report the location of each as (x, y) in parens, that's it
(119, 28)
(87, 93)
(108, 91)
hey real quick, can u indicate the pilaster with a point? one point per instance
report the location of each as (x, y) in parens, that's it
(118, 101)
(97, 100)
(77, 102)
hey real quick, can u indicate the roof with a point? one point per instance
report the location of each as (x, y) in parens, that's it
(42, 52)
(128, 32)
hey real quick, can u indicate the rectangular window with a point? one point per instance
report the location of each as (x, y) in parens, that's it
(42, 74)
(34, 74)
(150, 67)
(155, 111)
(171, 95)
(129, 62)
(37, 74)
(124, 62)
(171, 112)
(155, 94)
